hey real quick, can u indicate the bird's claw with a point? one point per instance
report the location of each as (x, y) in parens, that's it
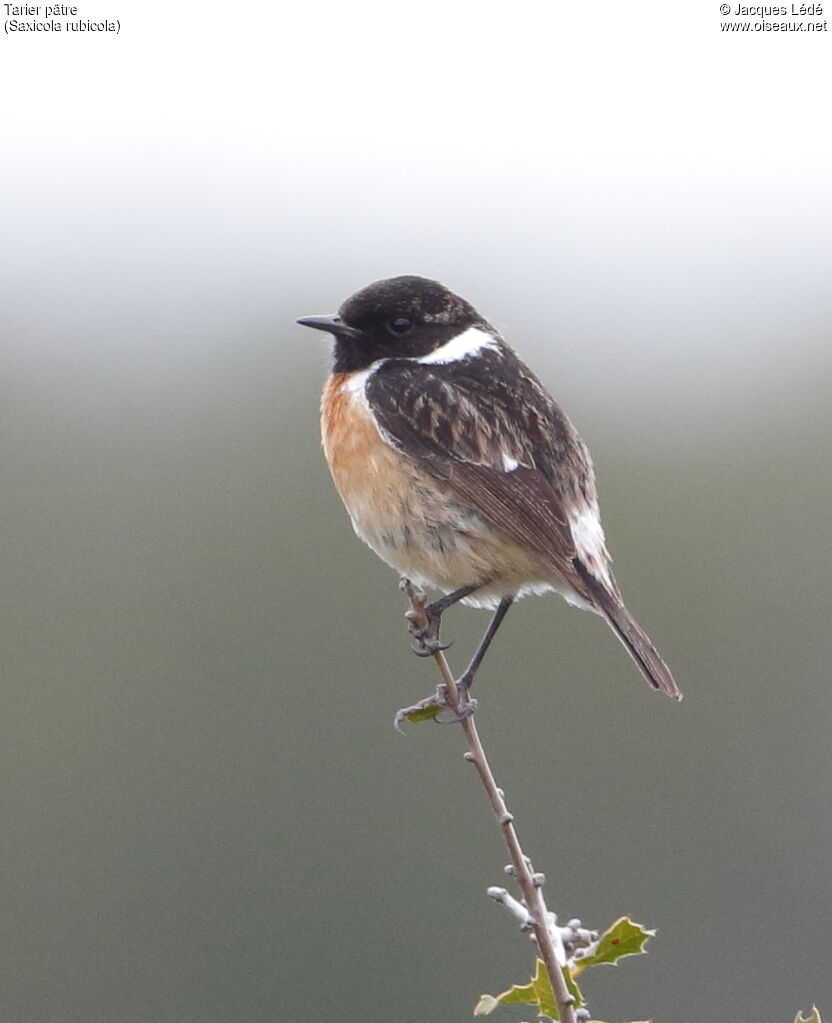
(426, 636)
(465, 704)
(428, 647)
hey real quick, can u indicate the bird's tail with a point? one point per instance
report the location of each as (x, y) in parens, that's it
(640, 647)
(635, 640)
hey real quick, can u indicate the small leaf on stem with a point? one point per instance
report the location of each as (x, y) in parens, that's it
(623, 938)
(428, 713)
(814, 1018)
(537, 992)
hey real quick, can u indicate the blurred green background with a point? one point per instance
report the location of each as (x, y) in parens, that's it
(207, 815)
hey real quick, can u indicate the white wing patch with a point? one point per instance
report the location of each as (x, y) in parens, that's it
(470, 342)
(509, 463)
(588, 537)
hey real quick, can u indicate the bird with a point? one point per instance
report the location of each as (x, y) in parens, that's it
(458, 468)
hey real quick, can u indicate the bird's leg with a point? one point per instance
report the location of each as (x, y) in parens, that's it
(427, 636)
(465, 680)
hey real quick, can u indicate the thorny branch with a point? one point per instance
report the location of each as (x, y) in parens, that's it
(530, 882)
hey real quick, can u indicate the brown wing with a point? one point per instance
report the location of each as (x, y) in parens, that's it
(489, 429)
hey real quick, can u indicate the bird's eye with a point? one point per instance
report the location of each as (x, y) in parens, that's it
(401, 325)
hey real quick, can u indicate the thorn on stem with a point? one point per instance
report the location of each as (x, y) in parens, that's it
(416, 595)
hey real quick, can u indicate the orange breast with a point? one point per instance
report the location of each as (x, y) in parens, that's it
(364, 468)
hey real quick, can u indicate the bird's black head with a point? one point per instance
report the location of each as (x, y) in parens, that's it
(404, 317)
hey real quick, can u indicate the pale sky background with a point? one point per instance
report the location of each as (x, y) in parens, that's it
(210, 157)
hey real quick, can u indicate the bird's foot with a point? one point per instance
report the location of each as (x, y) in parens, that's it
(465, 705)
(438, 708)
(426, 636)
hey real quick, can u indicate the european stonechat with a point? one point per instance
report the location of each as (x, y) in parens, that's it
(458, 468)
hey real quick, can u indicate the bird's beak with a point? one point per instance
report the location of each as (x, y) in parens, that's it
(331, 324)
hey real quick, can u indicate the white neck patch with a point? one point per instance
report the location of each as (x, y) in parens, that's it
(356, 383)
(470, 342)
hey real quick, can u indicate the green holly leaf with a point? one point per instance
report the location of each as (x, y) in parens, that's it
(424, 714)
(814, 1018)
(623, 938)
(424, 710)
(537, 992)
